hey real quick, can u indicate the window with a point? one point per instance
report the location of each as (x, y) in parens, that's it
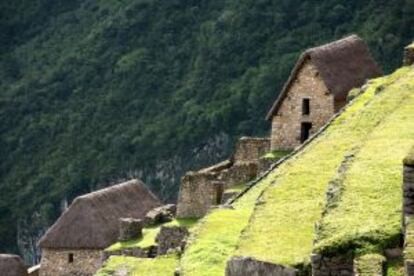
(219, 192)
(70, 258)
(305, 107)
(305, 131)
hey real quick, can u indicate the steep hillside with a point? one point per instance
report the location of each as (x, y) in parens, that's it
(347, 182)
(95, 91)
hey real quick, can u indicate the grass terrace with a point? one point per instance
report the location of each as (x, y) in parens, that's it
(282, 229)
(160, 266)
(367, 217)
(149, 234)
(215, 238)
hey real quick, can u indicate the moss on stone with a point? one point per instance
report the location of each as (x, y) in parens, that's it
(160, 266)
(409, 159)
(370, 264)
(149, 234)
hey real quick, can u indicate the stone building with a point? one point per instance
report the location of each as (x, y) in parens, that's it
(73, 245)
(12, 265)
(317, 88)
(207, 187)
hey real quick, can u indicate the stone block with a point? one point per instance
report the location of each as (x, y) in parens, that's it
(241, 172)
(129, 229)
(331, 265)
(246, 266)
(409, 267)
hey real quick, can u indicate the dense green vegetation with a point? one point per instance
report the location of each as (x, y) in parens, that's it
(95, 91)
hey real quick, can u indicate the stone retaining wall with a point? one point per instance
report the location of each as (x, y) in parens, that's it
(250, 149)
(241, 172)
(57, 262)
(369, 265)
(246, 266)
(331, 265)
(408, 218)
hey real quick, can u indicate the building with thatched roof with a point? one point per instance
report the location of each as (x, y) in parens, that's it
(73, 245)
(12, 265)
(317, 88)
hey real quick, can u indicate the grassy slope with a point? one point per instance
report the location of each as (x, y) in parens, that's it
(149, 234)
(160, 266)
(216, 237)
(282, 230)
(368, 215)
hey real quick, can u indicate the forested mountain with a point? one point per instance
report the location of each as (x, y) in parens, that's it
(95, 91)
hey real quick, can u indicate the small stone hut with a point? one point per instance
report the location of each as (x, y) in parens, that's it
(317, 88)
(12, 265)
(73, 245)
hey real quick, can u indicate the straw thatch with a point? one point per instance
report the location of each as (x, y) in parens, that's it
(91, 221)
(12, 265)
(343, 64)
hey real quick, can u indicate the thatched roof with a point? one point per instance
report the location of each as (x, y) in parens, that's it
(343, 64)
(91, 221)
(12, 265)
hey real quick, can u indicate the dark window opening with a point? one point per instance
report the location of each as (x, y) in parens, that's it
(70, 258)
(219, 193)
(305, 107)
(305, 131)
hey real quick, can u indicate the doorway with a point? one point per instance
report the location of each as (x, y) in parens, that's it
(305, 131)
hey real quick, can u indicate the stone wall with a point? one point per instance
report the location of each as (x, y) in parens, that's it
(250, 149)
(246, 266)
(238, 173)
(171, 238)
(408, 190)
(408, 218)
(198, 192)
(409, 55)
(331, 265)
(369, 265)
(56, 262)
(286, 124)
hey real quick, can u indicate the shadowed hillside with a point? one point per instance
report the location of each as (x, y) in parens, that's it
(96, 91)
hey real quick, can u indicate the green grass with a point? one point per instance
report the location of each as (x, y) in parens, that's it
(160, 266)
(149, 234)
(237, 188)
(216, 236)
(395, 267)
(368, 215)
(409, 159)
(370, 264)
(283, 229)
(277, 154)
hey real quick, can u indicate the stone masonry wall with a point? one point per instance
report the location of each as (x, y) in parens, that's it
(249, 149)
(409, 55)
(198, 192)
(246, 266)
(286, 124)
(56, 262)
(408, 218)
(171, 238)
(331, 265)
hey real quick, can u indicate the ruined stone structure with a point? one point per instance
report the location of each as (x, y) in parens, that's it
(205, 188)
(74, 244)
(318, 88)
(171, 238)
(130, 229)
(245, 266)
(409, 55)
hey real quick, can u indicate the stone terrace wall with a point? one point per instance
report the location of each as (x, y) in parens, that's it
(171, 238)
(250, 149)
(198, 192)
(246, 266)
(408, 221)
(56, 262)
(409, 55)
(331, 265)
